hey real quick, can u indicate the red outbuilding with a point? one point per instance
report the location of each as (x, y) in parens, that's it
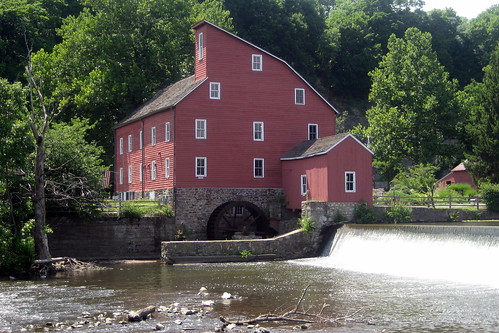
(458, 175)
(211, 144)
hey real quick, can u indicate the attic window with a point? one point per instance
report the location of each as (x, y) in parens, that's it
(299, 96)
(256, 63)
(350, 183)
(200, 46)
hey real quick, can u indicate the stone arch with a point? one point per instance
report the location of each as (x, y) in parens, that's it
(238, 217)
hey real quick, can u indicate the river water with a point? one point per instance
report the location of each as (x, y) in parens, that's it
(386, 300)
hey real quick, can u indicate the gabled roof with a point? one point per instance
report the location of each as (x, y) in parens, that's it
(164, 99)
(195, 26)
(459, 167)
(317, 147)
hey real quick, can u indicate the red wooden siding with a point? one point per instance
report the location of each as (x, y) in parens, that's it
(456, 177)
(326, 175)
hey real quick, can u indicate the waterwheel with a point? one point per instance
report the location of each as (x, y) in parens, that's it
(238, 217)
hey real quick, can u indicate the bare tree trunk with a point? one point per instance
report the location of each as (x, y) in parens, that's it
(41, 241)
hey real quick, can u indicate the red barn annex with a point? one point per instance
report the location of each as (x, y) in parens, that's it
(211, 144)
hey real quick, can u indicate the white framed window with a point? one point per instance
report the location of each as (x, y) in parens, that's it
(167, 167)
(350, 181)
(121, 146)
(200, 128)
(303, 184)
(313, 131)
(214, 90)
(121, 176)
(256, 62)
(153, 170)
(258, 134)
(141, 177)
(201, 167)
(299, 96)
(258, 167)
(200, 45)
(130, 143)
(167, 132)
(130, 175)
(141, 143)
(153, 136)
(238, 211)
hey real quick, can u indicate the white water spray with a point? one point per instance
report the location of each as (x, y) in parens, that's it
(460, 254)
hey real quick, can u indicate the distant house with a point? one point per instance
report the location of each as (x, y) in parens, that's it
(458, 175)
(219, 146)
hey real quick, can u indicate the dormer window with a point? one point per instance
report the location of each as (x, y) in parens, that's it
(256, 63)
(214, 90)
(200, 46)
(299, 96)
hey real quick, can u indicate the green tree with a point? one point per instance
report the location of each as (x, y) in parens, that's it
(484, 32)
(414, 118)
(116, 54)
(419, 178)
(74, 169)
(481, 102)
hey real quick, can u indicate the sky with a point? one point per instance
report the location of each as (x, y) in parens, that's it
(466, 8)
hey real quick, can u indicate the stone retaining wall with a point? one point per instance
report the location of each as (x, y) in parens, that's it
(110, 238)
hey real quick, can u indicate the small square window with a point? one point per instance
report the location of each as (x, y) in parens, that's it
(129, 143)
(303, 185)
(256, 62)
(121, 146)
(153, 136)
(153, 170)
(258, 134)
(258, 168)
(167, 131)
(167, 167)
(214, 90)
(201, 168)
(299, 96)
(200, 128)
(313, 131)
(350, 182)
(130, 176)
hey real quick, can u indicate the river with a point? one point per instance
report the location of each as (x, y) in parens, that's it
(377, 301)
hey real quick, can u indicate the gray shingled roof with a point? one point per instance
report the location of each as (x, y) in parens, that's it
(320, 146)
(163, 100)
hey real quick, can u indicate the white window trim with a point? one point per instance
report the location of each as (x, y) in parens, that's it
(354, 181)
(141, 142)
(167, 131)
(205, 168)
(316, 131)
(130, 142)
(296, 96)
(153, 170)
(200, 46)
(202, 123)
(215, 92)
(141, 177)
(254, 168)
(153, 136)
(130, 175)
(121, 146)
(256, 66)
(255, 123)
(121, 176)
(167, 167)
(303, 185)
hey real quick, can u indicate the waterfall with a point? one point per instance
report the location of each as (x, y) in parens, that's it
(467, 254)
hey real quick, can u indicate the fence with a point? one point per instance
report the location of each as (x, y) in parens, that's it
(444, 202)
(115, 206)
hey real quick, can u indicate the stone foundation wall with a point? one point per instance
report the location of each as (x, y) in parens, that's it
(110, 238)
(325, 213)
(193, 206)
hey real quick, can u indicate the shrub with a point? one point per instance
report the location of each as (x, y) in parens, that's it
(363, 213)
(464, 190)
(245, 254)
(339, 217)
(129, 209)
(306, 224)
(400, 213)
(490, 194)
(161, 210)
(17, 253)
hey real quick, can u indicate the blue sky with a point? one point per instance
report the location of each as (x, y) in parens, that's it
(466, 8)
